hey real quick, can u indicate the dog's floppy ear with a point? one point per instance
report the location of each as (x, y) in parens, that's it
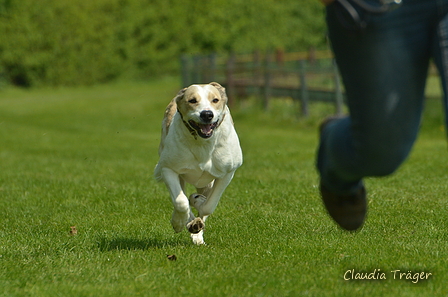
(221, 89)
(180, 95)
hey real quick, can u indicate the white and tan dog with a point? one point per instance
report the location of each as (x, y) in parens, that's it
(199, 145)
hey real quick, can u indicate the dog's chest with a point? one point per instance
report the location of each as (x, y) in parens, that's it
(200, 174)
(206, 160)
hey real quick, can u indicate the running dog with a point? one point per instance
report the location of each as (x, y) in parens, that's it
(199, 146)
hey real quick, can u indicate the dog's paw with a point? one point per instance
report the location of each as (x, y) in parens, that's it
(198, 238)
(179, 220)
(196, 200)
(196, 226)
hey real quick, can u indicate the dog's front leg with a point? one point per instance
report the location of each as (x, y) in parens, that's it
(181, 204)
(209, 205)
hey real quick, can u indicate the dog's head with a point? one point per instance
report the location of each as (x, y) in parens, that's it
(202, 107)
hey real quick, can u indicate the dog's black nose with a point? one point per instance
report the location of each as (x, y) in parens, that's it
(206, 115)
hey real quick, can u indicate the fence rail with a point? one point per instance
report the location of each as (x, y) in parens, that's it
(305, 77)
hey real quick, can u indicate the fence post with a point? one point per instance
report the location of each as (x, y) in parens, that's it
(257, 73)
(185, 68)
(196, 69)
(267, 80)
(212, 68)
(303, 88)
(339, 100)
(230, 83)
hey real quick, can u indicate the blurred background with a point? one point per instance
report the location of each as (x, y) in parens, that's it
(86, 42)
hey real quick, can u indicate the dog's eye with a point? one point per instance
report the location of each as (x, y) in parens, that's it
(193, 100)
(216, 100)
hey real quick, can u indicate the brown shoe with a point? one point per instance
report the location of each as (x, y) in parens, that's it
(348, 211)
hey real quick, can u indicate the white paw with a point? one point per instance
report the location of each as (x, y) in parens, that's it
(179, 220)
(196, 200)
(198, 238)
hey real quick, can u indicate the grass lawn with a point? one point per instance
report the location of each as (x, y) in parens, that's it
(84, 157)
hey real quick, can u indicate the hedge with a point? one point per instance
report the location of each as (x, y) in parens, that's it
(65, 42)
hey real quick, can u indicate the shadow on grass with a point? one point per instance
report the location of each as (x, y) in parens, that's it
(108, 244)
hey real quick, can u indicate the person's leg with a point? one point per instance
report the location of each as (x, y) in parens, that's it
(384, 69)
(440, 52)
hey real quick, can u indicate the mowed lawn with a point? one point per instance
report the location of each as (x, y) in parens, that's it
(84, 157)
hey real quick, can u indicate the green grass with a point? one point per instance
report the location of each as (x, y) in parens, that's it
(84, 157)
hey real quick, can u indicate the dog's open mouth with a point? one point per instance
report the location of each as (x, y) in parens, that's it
(203, 130)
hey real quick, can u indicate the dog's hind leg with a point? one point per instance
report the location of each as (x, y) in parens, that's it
(196, 225)
(196, 228)
(196, 200)
(197, 237)
(199, 198)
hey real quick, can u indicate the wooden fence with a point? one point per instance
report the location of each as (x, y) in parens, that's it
(305, 77)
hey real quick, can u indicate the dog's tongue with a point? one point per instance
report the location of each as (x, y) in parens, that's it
(206, 129)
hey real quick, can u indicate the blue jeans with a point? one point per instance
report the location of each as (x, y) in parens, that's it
(384, 69)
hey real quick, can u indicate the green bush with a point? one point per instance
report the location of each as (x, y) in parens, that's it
(63, 42)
